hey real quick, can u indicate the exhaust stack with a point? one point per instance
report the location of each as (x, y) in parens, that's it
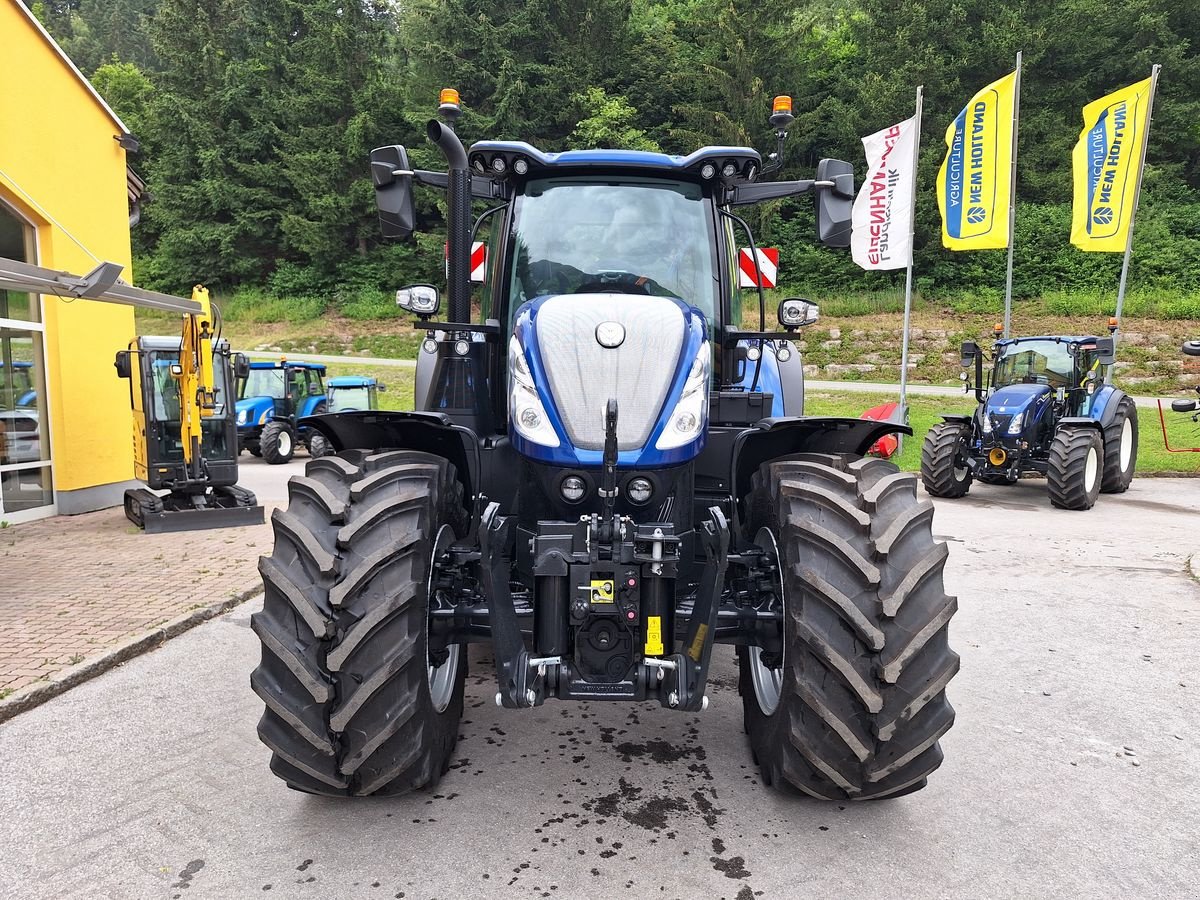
(458, 226)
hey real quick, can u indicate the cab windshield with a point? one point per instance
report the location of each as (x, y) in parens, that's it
(263, 383)
(1035, 362)
(636, 236)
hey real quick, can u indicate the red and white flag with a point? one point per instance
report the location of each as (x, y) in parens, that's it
(882, 221)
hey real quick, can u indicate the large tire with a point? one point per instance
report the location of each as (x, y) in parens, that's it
(353, 704)
(859, 702)
(318, 445)
(1120, 448)
(942, 470)
(1076, 464)
(277, 443)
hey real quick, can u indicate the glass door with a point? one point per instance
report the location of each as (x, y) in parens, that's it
(26, 464)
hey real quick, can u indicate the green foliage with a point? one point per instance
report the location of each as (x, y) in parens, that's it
(256, 120)
(611, 124)
(250, 304)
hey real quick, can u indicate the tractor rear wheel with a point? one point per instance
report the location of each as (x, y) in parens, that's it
(277, 443)
(944, 470)
(1120, 448)
(854, 706)
(1076, 465)
(356, 701)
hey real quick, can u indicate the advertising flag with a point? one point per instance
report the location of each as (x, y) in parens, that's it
(882, 235)
(1107, 168)
(974, 183)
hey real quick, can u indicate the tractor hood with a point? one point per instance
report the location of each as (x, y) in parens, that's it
(571, 353)
(1026, 400)
(251, 410)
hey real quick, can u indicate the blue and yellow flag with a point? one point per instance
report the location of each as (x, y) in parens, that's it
(1107, 165)
(975, 181)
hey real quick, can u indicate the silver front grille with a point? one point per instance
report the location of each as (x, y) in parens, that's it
(584, 375)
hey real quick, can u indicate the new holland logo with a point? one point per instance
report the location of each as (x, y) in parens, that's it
(976, 214)
(1103, 215)
(610, 334)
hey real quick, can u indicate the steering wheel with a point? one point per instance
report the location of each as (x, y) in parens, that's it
(615, 281)
(545, 277)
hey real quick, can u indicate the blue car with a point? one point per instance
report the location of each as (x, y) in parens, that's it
(272, 399)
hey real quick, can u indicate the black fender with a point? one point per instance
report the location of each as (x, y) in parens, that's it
(1081, 422)
(427, 432)
(958, 418)
(774, 438)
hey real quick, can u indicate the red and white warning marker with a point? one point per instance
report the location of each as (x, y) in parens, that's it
(478, 261)
(768, 263)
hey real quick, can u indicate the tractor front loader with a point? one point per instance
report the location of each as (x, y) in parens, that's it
(603, 479)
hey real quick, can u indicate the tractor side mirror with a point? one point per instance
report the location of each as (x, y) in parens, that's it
(970, 350)
(835, 202)
(381, 387)
(1107, 351)
(121, 363)
(241, 366)
(393, 178)
(422, 299)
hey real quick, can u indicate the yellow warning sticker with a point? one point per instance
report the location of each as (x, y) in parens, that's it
(654, 644)
(602, 591)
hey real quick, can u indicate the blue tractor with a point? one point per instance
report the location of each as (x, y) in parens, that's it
(1048, 407)
(604, 477)
(271, 399)
(352, 393)
(17, 390)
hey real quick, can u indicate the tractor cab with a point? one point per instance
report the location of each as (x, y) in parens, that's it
(271, 399)
(352, 393)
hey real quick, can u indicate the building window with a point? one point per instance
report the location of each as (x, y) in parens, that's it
(26, 466)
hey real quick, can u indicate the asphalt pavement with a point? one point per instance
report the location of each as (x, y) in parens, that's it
(1073, 769)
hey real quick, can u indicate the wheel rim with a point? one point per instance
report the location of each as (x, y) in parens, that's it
(285, 443)
(1126, 444)
(768, 682)
(1091, 468)
(441, 678)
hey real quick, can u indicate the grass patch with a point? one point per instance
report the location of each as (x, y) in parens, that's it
(924, 412)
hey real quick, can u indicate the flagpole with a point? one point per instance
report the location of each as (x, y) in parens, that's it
(908, 271)
(1137, 193)
(1012, 203)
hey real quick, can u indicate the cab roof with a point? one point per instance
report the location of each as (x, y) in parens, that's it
(350, 381)
(746, 162)
(291, 364)
(1061, 338)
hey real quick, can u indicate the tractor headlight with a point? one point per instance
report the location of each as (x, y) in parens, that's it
(525, 409)
(1014, 427)
(242, 413)
(688, 418)
(987, 423)
(266, 414)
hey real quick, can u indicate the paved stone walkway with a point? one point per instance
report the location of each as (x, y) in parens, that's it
(73, 587)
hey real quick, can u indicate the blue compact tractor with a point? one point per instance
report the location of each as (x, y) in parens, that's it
(605, 478)
(271, 399)
(1048, 407)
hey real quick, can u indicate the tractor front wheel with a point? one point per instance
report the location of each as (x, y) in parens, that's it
(1120, 448)
(854, 705)
(944, 470)
(318, 445)
(357, 700)
(1075, 468)
(277, 443)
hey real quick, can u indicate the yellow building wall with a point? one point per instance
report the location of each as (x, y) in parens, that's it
(61, 168)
